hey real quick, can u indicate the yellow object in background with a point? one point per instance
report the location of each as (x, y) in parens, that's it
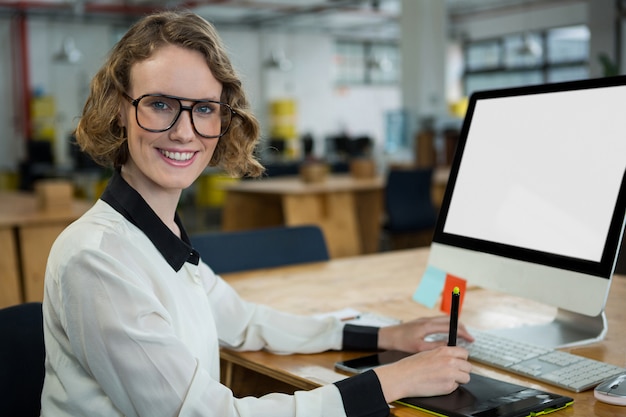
(210, 191)
(99, 187)
(459, 108)
(283, 115)
(43, 114)
(8, 180)
(283, 121)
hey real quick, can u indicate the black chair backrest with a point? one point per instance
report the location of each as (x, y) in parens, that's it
(408, 201)
(261, 248)
(22, 356)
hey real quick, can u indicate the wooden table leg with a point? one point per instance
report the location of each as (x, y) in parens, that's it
(334, 212)
(10, 287)
(369, 209)
(35, 243)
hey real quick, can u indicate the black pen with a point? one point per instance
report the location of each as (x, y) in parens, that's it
(454, 316)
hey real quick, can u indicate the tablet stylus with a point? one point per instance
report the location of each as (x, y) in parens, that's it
(454, 316)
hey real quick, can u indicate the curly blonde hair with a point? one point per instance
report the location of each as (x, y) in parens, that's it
(99, 133)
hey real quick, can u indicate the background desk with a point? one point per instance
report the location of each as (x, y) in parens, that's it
(384, 283)
(348, 210)
(26, 236)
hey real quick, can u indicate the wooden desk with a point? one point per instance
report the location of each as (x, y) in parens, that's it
(348, 210)
(384, 283)
(440, 182)
(26, 236)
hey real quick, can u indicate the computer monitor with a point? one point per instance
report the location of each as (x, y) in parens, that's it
(536, 200)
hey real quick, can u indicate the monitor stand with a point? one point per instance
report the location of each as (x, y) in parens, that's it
(566, 330)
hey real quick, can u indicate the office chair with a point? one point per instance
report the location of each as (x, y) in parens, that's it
(261, 248)
(39, 163)
(279, 169)
(338, 147)
(22, 356)
(361, 147)
(411, 214)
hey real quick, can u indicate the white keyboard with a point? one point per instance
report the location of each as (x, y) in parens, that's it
(566, 370)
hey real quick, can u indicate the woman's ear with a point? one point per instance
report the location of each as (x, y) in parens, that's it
(122, 119)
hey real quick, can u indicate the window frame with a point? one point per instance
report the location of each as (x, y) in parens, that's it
(359, 67)
(544, 66)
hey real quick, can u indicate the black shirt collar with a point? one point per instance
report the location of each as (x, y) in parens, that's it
(129, 203)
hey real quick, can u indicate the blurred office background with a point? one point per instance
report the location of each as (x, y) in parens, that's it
(329, 80)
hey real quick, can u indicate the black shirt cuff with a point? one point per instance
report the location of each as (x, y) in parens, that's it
(360, 337)
(362, 396)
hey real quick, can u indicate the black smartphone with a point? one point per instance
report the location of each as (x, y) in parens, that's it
(364, 363)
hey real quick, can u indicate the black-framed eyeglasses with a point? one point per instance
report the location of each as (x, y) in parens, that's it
(159, 112)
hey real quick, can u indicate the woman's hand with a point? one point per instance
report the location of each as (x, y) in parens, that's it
(409, 336)
(435, 372)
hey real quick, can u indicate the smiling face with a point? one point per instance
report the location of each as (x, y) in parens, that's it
(172, 160)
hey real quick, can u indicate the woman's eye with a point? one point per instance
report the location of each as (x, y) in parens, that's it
(205, 108)
(160, 105)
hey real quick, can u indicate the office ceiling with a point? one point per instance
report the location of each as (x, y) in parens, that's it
(377, 19)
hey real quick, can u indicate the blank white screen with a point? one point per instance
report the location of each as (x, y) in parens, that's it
(542, 171)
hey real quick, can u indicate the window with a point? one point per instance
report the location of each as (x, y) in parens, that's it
(366, 63)
(553, 55)
(568, 44)
(483, 55)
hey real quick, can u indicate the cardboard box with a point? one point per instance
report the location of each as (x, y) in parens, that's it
(54, 194)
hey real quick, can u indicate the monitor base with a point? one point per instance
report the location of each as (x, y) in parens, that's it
(566, 330)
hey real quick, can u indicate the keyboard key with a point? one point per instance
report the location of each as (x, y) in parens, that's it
(566, 370)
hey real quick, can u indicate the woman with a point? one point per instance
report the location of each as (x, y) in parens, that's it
(133, 318)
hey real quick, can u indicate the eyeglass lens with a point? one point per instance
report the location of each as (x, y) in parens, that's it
(159, 113)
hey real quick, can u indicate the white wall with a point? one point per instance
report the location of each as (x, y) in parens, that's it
(323, 109)
(243, 49)
(67, 83)
(11, 141)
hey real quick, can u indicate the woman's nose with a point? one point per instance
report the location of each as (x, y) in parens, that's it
(183, 129)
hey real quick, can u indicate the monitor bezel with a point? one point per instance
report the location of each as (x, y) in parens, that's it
(604, 268)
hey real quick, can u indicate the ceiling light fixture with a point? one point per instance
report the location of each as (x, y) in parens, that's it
(68, 52)
(278, 60)
(529, 46)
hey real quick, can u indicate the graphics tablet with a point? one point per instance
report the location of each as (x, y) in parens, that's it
(488, 397)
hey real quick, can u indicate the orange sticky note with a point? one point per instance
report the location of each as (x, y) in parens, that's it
(448, 287)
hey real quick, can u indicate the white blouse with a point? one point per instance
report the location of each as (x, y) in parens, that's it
(127, 335)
